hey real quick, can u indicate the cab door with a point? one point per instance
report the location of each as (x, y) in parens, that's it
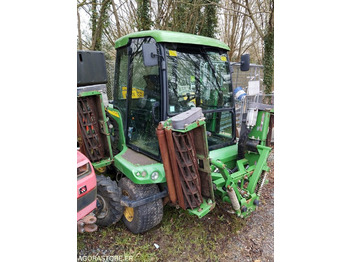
(143, 98)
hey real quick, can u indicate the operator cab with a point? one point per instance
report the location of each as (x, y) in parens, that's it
(160, 74)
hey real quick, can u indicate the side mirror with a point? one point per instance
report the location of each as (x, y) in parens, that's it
(245, 62)
(150, 56)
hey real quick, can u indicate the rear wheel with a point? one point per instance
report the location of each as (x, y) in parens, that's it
(109, 210)
(145, 217)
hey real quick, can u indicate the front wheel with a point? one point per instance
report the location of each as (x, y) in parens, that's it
(109, 210)
(142, 218)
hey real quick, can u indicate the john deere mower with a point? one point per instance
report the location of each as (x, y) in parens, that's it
(169, 135)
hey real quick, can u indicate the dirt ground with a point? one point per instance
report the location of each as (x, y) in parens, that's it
(255, 242)
(219, 236)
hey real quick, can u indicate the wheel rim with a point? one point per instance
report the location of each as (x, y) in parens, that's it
(102, 209)
(128, 211)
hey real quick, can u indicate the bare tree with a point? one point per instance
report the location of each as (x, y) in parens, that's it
(80, 44)
(99, 23)
(248, 26)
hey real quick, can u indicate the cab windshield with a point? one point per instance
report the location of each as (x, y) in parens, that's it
(200, 77)
(197, 77)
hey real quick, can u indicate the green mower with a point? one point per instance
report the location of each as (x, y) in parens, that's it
(169, 135)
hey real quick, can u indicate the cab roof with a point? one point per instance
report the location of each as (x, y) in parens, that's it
(162, 36)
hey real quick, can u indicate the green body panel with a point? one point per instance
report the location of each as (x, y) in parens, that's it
(116, 115)
(172, 37)
(131, 170)
(261, 128)
(227, 155)
(108, 160)
(102, 163)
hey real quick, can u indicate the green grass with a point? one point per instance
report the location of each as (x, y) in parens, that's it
(180, 236)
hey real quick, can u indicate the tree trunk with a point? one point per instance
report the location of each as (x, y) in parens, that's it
(116, 19)
(97, 37)
(257, 27)
(268, 60)
(80, 44)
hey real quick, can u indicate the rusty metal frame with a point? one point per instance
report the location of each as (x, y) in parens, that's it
(89, 128)
(188, 167)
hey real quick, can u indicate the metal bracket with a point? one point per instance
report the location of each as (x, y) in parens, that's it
(103, 127)
(260, 106)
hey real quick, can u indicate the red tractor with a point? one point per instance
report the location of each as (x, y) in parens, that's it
(86, 194)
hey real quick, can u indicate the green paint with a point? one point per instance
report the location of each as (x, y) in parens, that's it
(227, 155)
(264, 153)
(162, 36)
(203, 209)
(90, 93)
(261, 128)
(131, 170)
(116, 115)
(102, 163)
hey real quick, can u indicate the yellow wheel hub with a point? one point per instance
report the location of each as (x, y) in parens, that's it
(128, 211)
(101, 169)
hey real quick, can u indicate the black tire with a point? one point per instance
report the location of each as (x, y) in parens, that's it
(109, 210)
(146, 216)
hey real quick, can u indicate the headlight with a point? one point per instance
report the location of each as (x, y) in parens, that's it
(84, 170)
(143, 173)
(155, 175)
